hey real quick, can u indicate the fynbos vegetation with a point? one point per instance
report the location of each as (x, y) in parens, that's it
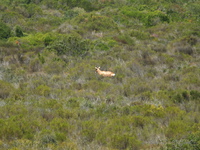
(52, 98)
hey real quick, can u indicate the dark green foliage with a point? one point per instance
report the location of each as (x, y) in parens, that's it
(100, 45)
(184, 95)
(18, 31)
(5, 31)
(73, 102)
(70, 14)
(48, 40)
(195, 95)
(70, 45)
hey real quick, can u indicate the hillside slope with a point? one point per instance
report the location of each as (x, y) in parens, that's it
(51, 97)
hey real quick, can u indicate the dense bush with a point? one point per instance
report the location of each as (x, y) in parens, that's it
(18, 31)
(148, 18)
(5, 31)
(70, 45)
(190, 142)
(94, 22)
(5, 89)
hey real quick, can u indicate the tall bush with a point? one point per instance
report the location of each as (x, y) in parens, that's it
(70, 45)
(18, 31)
(5, 31)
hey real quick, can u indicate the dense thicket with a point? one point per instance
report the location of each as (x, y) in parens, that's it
(51, 97)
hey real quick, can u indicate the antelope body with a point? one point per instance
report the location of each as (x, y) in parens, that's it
(104, 73)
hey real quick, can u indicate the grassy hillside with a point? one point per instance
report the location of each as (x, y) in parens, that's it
(51, 97)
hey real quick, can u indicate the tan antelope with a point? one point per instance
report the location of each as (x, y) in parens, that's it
(104, 73)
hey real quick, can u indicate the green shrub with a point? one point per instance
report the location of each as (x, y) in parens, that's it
(71, 13)
(177, 129)
(70, 45)
(41, 58)
(181, 96)
(157, 111)
(87, 5)
(73, 103)
(141, 3)
(35, 65)
(89, 130)
(18, 31)
(47, 137)
(53, 66)
(155, 18)
(179, 144)
(60, 136)
(17, 126)
(100, 45)
(195, 95)
(119, 132)
(12, 18)
(94, 22)
(191, 142)
(191, 78)
(60, 125)
(33, 40)
(5, 31)
(124, 141)
(43, 90)
(193, 11)
(185, 49)
(48, 40)
(194, 140)
(174, 112)
(124, 39)
(66, 113)
(149, 18)
(97, 86)
(103, 45)
(139, 34)
(5, 89)
(32, 10)
(46, 24)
